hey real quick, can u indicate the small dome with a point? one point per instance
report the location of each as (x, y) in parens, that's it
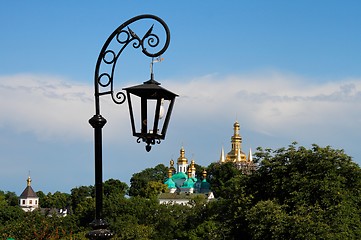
(188, 184)
(205, 186)
(182, 159)
(170, 183)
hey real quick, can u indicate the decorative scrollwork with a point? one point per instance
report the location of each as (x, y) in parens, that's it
(102, 82)
(109, 54)
(119, 97)
(152, 42)
(113, 48)
(149, 142)
(119, 34)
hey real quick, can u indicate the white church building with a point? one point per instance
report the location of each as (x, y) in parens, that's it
(28, 199)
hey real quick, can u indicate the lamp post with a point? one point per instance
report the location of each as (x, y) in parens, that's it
(152, 97)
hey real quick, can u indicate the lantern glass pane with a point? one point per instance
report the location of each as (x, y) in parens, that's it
(163, 114)
(151, 106)
(164, 110)
(136, 112)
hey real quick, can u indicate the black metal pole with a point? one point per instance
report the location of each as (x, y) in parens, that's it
(99, 225)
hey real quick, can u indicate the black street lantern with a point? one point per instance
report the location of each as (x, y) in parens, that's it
(152, 97)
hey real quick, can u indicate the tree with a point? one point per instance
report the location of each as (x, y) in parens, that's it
(318, 188)
(114, 186)
(42, 199)
(267, 220)
(199, 171)
(219, 175)
(303, 176)
(81, 193)
(12, 199)
(139, 181)
(153, 188)
(3, 201)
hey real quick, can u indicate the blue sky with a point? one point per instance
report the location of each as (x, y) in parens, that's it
(286, 70)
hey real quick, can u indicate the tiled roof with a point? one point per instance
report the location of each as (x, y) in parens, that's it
(28, 193)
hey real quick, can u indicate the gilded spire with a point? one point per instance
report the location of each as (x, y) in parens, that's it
(236, 128)
(193, 168)
(243, 162)
(236, 154)
(182, 159)
(236, 138)
(222, 159)
(250, 158)
(28, 181)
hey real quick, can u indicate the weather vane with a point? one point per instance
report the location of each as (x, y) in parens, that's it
(155, 60)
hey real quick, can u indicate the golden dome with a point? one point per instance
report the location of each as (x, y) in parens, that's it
(189, 172)
(236, 128)
(28, 181)
(170, 171)
(192, 166)
(182, 159)
(204, 173)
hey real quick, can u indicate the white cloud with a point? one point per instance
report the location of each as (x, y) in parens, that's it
(45, 105)
(271, 103)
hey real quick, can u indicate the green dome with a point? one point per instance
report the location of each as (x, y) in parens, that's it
(188, 184)
(180, 175)
(205, 186)
(170, 183)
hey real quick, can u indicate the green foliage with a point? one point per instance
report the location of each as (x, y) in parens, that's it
(57, 200)
(318, 189)
(8, 199)
(296, 193)
(199, 171)
(11, 198)
(303, 176)
(81, 193)
(114, 186)
(34, 225)
(267, 220)
(139, 181)
(153, 188)
(219, 176)
(9, 214)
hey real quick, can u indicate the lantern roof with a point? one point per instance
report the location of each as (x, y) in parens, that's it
(151, 89)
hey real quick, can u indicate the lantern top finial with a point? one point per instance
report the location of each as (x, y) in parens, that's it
(152, 81)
